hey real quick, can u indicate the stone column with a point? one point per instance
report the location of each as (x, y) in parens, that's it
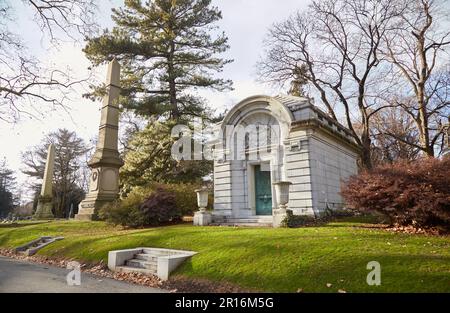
(105, 164)
(45, 204)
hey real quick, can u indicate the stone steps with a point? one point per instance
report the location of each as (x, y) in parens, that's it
(150, 265)
(34, 246)
(146, 263)
(131, 269)
(249, 221)
(150, 261)
(243, 224)
(146, 257)
(246, 218)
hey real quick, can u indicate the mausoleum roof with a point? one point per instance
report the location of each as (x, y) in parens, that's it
(292, 102)
(296, 104)
(291, 111)
(306, 114)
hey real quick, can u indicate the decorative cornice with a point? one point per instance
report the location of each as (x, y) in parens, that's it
(316, 125)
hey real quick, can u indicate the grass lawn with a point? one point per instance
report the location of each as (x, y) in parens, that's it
(266, 259)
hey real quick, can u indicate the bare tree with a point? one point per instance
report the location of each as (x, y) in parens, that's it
(26, 84)
(419, 48)
(69, 17)
(394, 136)
(338, 42)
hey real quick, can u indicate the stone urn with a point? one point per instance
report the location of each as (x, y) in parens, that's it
(282, 193)
(202, 198)
(282, 198)
(201, 217)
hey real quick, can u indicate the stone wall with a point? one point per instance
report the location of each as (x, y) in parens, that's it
(331, 163)
(299, 174)
(222, 188)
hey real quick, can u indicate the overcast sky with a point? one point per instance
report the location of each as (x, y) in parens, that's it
(244, 21)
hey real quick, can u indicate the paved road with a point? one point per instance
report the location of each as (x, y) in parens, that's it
(23, 276)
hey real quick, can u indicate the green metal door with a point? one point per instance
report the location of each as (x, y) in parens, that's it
(263, 192)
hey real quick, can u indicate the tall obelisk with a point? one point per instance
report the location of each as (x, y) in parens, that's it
(105, 164)
(45, 203)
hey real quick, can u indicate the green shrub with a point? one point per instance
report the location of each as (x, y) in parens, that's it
(122, 212)
(159, 206)
(328, 215)
(126, 212)
(292, 220)
(185, 196)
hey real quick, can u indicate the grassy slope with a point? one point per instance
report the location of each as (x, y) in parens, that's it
(267, 259)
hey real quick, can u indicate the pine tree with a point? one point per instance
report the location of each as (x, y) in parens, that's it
(149, 159)
(167, 52)
(8, 200)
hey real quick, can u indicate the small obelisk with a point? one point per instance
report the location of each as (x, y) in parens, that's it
(45, 203)
(105, 164)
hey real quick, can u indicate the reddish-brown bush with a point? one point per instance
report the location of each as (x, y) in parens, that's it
(160, 207)
(410, 193)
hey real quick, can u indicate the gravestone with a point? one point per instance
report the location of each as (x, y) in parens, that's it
(105, 164)
(45, 203)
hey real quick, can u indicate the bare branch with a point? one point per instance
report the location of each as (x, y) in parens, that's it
(27, 87)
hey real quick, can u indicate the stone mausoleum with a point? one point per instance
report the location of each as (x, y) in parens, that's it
(286, 138)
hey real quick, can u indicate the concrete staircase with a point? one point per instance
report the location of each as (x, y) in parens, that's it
(146, 263)
(150, 261)
(249, 221)
(34, 246)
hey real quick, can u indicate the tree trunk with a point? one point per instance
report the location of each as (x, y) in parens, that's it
(366, 158)
(424, 130)
(175, 114)
(423, 77)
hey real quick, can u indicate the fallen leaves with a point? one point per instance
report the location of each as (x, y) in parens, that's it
(414, 230)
